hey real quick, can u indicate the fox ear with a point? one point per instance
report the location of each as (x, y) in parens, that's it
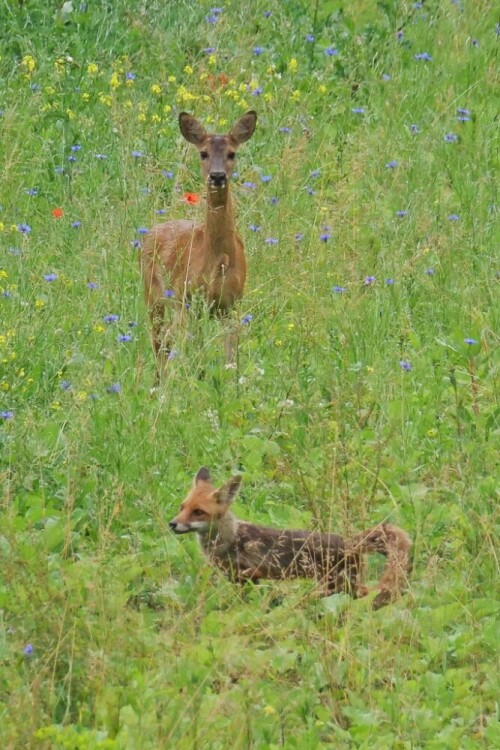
(228, 491)
(192, 130)
(202, 475)
(244, 128)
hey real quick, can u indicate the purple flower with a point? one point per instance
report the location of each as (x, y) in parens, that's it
(358, 110)
(169, 293)
(76, 224)
(429, 271)
(216, 11)
(386, 77)
(423, 56)
(325, 236)
(76, 147)
(315, 173)
(463, 118)
(249, 185)
(369, 280)
(271, 241)
(339, 289)
(453, 217)
(72, 159)
(132, 324)
(31, 191)
(414, 129)
(6, 415)
(258, 50)
(92, 285)
(406, 366)
(208, 50)
(331, 51)
(173, 353)
(161, 211)
(285, 130)
(257, 91)
(266, 178)
(211, 19)
(389, 282)
(130, 76)
(299, 236)
(111, 318)
(24, 228)
(401, 213)
(310, 37)
(267, 13)
(392, 164)
(254, 228)
(136, 244)
(310, 191)
(123, 338)
(114, 388)
(50, 276)
(451, 138)
(6, 293)
(59, 170)
(475, 43)
(470, 341)
(65, 385)
(168, 174)
(273, 201)
(28, 649)
(247, 319)
(142, 230)
(101, 156)
(137, 154)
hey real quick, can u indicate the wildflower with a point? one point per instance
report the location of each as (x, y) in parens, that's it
(92, 69)
(65, 385)
(339, 289)
(293, 65)
(386, 77)
(28, 649)
(132, 324)
(161, 211)
(453, 217)
(111, 318)
(57, 213)
(192, 198)
(28, 63)
(315, 173)
(32, 192)
(470, 341)
(208, 50)
(257, 91)
(273, 201)
(50, 277)
(299, 236)
(389, 282)
(405, 366)
(211, 19)
(173, 353)
(401, 213)
(271, 241)
(369, 280)
(358, 110)
(267, 13)
(429, 271)
(114, 388)
(142, 230)
(285, 130)
(258, 51)
(331, 51)
(155, 89)
(423, 56)
(124, 338)
(72, 159)
(325, 236)
(76, 224)
(59, 170)
(92, 285)
(266, 178)
(392, 164)
(6, 415)
(249, 185)
(310, 191)
(475, 43)
(451, 138)
(247, 319)
(216, 11)
(24, 228)
(310, 37)
(254, 228)
(129, 76)
(137, 154)
(101, 156)
(169, 293)
(136, 244)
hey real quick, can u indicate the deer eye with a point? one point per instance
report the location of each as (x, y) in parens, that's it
(231, 155)
(197, 512)
(204, 154)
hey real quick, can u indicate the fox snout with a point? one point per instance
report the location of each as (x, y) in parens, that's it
(179, 528)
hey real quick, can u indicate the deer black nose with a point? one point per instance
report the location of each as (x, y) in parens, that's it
(173, 525)
(217, 178)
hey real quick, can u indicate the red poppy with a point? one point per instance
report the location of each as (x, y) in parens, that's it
(192, 198)
(218, 82)
(57, 213)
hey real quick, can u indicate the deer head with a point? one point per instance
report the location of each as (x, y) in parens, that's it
(217, 152)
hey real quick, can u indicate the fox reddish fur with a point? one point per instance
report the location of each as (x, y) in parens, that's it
(208, 258)
(247, 552)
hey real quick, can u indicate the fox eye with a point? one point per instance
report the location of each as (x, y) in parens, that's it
(231, 155)
(197, 512)
(204, 154)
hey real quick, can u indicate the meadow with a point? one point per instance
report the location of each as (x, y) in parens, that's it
(366, 387)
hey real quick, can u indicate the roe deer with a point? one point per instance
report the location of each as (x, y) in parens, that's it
(208, 257)
(247, 552)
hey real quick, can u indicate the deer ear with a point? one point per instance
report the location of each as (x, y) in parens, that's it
(226, 494)
(202, 475)
(192, 130)
(244, 128)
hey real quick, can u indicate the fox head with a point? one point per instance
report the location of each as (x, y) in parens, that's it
(205, 506)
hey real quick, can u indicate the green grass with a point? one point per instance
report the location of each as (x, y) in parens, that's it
(136, 643)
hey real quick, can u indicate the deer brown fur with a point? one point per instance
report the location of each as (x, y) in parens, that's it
(208, 258)
(247, 552)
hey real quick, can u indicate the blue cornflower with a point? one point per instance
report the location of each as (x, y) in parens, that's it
(406, 366)
(299, 236)
(31, 191)
(142, 230)
(136, 244)
(169, 293)
(137, 154)
(414, 129)
(114, 388)
(258, 50)
(6, 294)
(76, 147)
(249, 185)
(161, 211)
(423, 56)
(285, 129)
(111, 318)
(254, 228)
(369, 280)
(173, 353)
(257, 91)
(72, 158)
(6, 414)
(130, 76)
(386, 77)
(310, 191)
(208, 50)
(35, 87)
(24, 228)
(325, 236)
(389, 282)
(271, 241)
(216, 11)
(28, 649)
(339, 289)
(429, 271)
(310, 37)
(211, 19)
(101, 156)
(247, 319)
(168, 174)
(267, 13)
(266, 178)
(132, 324)
(451, 138)
(92, 285)
(123, 338)
(331, 51)
(50, 276)
(59, 170)
(315, 173)
(463, 118)
(65, 385)
(401, 213)
(274, 201)
(358, 110)
(76, 224)
(392, 164)
(470, 341)
(453, 217)
(475, 43)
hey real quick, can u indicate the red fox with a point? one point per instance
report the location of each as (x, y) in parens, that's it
(247, 552)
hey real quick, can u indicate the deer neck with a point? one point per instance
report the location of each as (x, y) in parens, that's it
(220, 231)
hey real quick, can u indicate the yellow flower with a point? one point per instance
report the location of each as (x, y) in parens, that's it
(39, 304)
(49, 90)
(278, 342)
(432, 433)
(81, 395)
(2, 226)
(167, 108)
(222, 122)
(3, 340)
(155, 89)
(212, 59)
(29, 63)
(296, 96)
(141, 117)
(4, 386)
(268, 710)
(291, 326)
(114, 81)
(99, 328)
(322, 88)
(3, 274)
(92, 69)
(188, 70)
(243, 104)
(268, 97)
(85, 97)
(71, 115)
(155, 118)
(55, 406)
(105, 99)
(293, 65)
(128, 104)
(171, 79)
